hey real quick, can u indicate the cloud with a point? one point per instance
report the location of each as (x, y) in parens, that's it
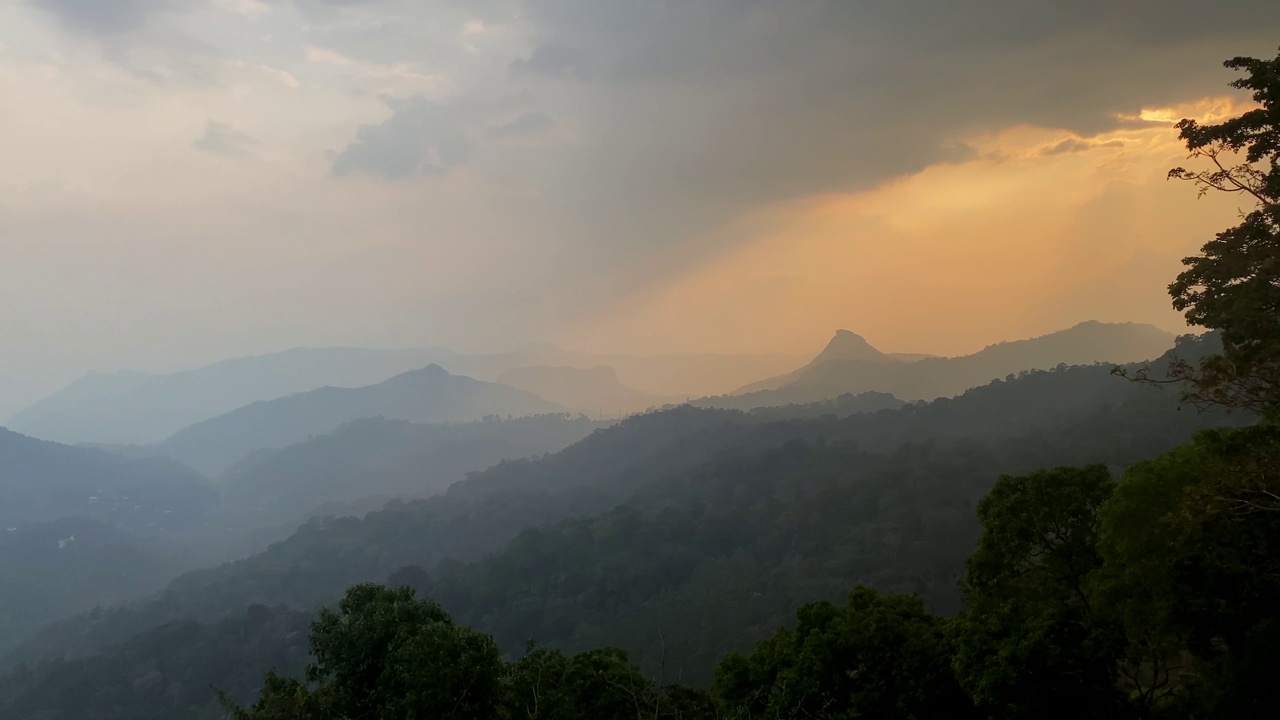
(529, 124)
(103, 17)
(419, 139)
(246, 8)
(222, 139)
(1076, 145)
(698, 113)
(552, 61)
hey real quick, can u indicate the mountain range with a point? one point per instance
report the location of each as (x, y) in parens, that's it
(850, 364)
(136, 408)
(42, 481)
(712, 523)
(595, 391)
(428, 395)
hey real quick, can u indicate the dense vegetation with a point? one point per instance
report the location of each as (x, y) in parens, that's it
(53, 569)
(678, 536)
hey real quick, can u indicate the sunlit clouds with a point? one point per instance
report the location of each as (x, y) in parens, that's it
(188, 181)
(1040, 230)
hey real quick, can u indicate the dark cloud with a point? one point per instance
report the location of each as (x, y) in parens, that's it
(222, 139)
(420, 138)
(529, 124)
(1077, 145)
(103, 17)
(552, 61)
(700, 111)
(681, 117)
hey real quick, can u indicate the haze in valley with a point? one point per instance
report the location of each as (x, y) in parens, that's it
(606, 359)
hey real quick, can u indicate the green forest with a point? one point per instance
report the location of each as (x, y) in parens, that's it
(1084, 542)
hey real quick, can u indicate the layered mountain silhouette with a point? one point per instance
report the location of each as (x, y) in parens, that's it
(428, 395)
(850, 364)
(383, 459)
(134, 408)
(595, 391)
(43, 481)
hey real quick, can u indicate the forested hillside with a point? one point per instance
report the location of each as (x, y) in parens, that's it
(42, 481)
(53, 569)
(381, 458)
(688, 533)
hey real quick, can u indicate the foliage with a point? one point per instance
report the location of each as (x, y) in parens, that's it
(877, 656)
(1189, 543)
(385, 654)
(1032, 644)
(1234, 284)
(164, 673)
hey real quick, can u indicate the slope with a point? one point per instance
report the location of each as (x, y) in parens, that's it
(652, 461)
(595, 391)
(52, 569)
(427, 395)
(140, 408)
(381, 458)
(851, 365)
(42, 481)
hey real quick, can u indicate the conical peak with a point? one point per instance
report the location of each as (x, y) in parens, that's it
(849, 346)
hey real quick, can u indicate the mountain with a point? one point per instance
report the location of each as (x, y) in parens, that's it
(849, 364)
(722, 504)
(127, 408)
(42, 481)
(140, 408)
(427, 395)
(594, 391)
(57, 568)
(380, 458)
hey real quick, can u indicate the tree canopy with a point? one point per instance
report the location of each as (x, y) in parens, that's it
(1233, 286)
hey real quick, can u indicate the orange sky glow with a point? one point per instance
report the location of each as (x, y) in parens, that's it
(1039, 230)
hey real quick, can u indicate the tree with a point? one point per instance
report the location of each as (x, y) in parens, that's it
(1188, 541)
(1233, 286)
(877, 656)
(547, 684)
(384, 654)
(1032, 644)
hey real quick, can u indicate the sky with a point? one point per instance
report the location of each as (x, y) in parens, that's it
(187, 180)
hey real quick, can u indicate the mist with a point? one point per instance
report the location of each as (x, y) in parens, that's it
(592, 358)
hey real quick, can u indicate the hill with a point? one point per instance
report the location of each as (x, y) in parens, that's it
(141, 408)
(595, 391)
(135, 408)
(381, 458)
(691, 462)
(53, 569)
(849, 364)
(427, 395)
(42, 481)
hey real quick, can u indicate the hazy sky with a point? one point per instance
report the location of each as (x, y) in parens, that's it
(190, 179)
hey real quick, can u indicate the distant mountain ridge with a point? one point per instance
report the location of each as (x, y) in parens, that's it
(136, 408)
(381, 458)
(849, 364)
(133, 407)
(594, 391)
(43, 481)
(428, 395)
